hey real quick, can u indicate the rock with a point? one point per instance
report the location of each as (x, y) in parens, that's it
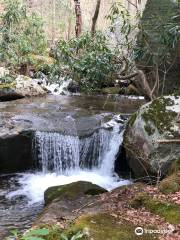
(15, 151)
(80, 116)
(22, 87)
(73, 87)
(28, 87)
(107, 216)
(3, 72)
(151, 138)
(170, 184)
(70, 201)
(72, 191)
(8, 92)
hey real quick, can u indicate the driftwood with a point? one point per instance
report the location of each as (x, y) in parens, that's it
(140, 83)
(119, 77)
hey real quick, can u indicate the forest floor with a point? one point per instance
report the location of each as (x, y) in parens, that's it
(115, 215)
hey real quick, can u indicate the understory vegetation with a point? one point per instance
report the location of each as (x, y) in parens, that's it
(88, 60)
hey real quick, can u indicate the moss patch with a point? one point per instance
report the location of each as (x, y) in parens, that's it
(171, 212)
(132, 119)
(7, 85)
(149, 129)
(103, 226)
(175, 167)
(170, 184)
(72, 190)
(158, 115)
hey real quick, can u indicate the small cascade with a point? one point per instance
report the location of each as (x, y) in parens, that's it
(107, 165)
(56, 88)
(61, 154)
(56, 152)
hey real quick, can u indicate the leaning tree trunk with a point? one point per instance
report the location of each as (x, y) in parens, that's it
(95, 17)
(78, 27)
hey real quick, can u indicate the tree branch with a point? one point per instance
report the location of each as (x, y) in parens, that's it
(127, 76)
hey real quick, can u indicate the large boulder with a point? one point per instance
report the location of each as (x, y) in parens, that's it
(69, 201)
(152, 137)
(72, 191)
(21, 87)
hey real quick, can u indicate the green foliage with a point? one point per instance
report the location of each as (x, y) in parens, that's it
(20, 35)
(158, 36)
(45, 234)
(157, 50)
(88, 60)
(34, 234)
(76, 236)
(6, 79)
(123, 26)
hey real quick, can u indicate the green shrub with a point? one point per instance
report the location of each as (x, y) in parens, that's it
(86, 59)
(20, 35)
(45, 234)
(34, 234)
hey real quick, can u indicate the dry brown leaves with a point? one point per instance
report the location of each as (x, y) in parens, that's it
(116, 203)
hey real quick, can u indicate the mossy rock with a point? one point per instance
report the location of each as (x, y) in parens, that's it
(4, 86)
(151, 137)
(175, 167)
(171, 184)
(158, 115)
(169, 211)
(105, 226)
(72, 191)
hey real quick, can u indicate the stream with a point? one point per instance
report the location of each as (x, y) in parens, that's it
(73, 138)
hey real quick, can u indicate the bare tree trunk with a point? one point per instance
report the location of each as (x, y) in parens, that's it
(53, 20)
(78, 27)
(95, 17)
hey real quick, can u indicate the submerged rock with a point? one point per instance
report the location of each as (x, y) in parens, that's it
(73, 87)
(72, 191)
(152, 137)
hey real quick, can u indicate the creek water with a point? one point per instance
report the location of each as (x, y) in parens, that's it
(62, 158)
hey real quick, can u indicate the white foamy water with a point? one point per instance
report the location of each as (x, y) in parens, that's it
(57, 89)
(66, 159)
(34, 185)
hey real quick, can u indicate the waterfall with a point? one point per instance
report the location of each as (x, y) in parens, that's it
(62, 159)
(61, 154)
